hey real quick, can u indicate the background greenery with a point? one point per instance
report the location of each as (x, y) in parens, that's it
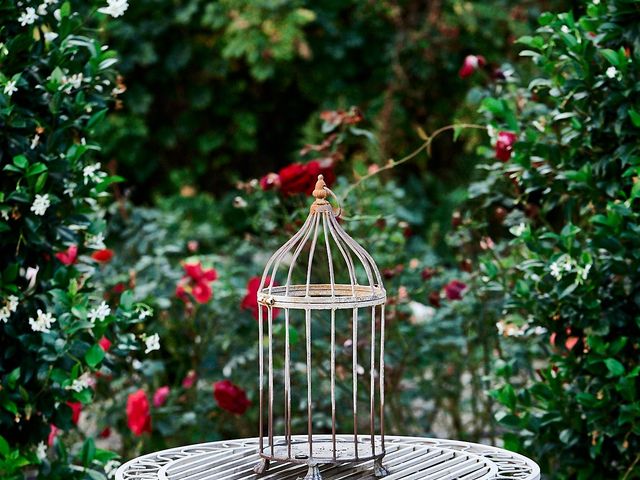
(508, 244)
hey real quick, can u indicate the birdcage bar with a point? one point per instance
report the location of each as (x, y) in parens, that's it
(307, 297)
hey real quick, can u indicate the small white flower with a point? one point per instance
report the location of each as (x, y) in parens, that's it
(555, 271)
(10, 88)
(152, 343)
(611, 72)
(69, 188)
(110, 468)
(31, 274)
(144, 312)
(92, 173)
(50, 2)
(518, 230)
(585, 271)
(596, 2)
(565, 29)
(5, 313)
(50, 36)
(115, 8)
(79, 384)
(57, 14)
(43, 322)
(74, 81)
(41, 451)
(99, 313)
(12, 303)
(42, 9)
(239, 202)
(3, 49)
(28, 16)
(35, 141)
(95, 242)
(4, 214)
(40, 204)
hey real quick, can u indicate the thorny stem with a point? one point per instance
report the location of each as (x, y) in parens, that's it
(425, 146)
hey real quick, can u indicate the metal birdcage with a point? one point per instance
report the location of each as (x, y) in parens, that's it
(343, 302)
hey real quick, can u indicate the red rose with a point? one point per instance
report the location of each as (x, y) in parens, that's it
(270, 181)
(453, 290)
(250, 300)
(161, 395)
(301, 178)
(189, 379)
(470, 65)
(434, 299)
(196, 281)
(103, 256)
(105, 433)
(230, 397)
(76, 408)
(105, 344)
(138, 416)
(69, 256)
(202, 292)
(428, 273)
(504, 145)
(53, 433)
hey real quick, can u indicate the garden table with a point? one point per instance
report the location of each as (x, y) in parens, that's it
(407, 458)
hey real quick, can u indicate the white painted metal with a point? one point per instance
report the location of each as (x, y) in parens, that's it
(409, 458)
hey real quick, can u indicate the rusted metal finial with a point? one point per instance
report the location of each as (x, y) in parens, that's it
(319, 191)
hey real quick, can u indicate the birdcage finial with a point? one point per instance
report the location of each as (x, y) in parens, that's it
(319, 191)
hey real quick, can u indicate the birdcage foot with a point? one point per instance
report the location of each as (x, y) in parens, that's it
(261, 467)
(379, 470)
(313, 473)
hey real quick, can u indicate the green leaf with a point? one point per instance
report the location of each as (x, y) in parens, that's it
(94, 356)
(88, 451)
(615, 367)
(4, 447)
(611, 56)
(13, 377)
(635, 117)
(20, 161)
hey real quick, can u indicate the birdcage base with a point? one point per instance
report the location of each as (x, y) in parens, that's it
(323, 451)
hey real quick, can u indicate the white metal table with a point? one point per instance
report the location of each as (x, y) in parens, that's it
(410, 458)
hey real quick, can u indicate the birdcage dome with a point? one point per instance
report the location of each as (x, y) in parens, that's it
(321, 266)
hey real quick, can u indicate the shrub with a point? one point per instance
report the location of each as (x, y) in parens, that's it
(56, 86)
(559, 198)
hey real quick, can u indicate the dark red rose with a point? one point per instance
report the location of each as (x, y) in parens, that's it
(270, 181)
(76, 408)
(504, 145)
(250, 300)
(105, 344)
(230, 397)
(103, 256)
(138, 416)
(69, 256)
(466, 265)
(428, 273)
(119, 288)
(470, 65)
(301, 177)
(454, 289)
(434, 299)
(105, 433)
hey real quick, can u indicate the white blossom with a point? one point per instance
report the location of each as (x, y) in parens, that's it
(518, 230)
(35, 141)
(92, 173)
(57, 14)
(75, 80)
(69, 188)
(239, 202)
(611, 72)
(40, 204)
(50, 2)
(95, 242)
(565, 29)
(28, 16)
(42, 9)
(12, 303)
(110, 468)
(42, 323)
(115, 8)
(50, 36)
(41, 451)
(555, 271)
(79, 384)
(99, 313)
(144, 312)
(4, 214)
(5, 313)
(31, 274)
(152, 343)
(596, 2)
(10, 88)
(585, 271)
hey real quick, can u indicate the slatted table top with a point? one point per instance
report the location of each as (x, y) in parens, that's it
(410, 458)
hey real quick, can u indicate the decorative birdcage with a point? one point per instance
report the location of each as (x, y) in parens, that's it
(343, 298)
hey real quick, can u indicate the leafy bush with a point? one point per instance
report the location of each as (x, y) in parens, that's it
(56, 86)
(562, 209)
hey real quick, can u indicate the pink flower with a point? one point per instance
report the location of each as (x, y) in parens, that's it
(138, 416)
(230, 397)
(504, 145)
(105, 344)
(102, 256)
(250, 300)
(454, 289)
(161, 395)
(189, 379)
(53, 433)
(76, 409)
(270, 181)
(470, 65)
(69, 256)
